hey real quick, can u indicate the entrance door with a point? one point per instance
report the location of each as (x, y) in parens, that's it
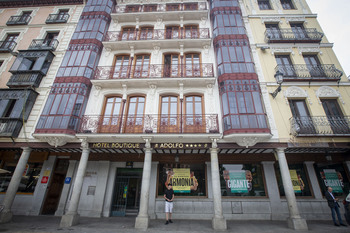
(55, 187)
(127, 189)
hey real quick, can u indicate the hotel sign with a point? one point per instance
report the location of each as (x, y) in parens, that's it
(166, 145)
(170, 145)
(116, 145)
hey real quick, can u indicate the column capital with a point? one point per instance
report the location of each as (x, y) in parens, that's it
(26, 149)
(84, 144)
(147, 142)
(309, 162)
(268, 162)
(280, 150)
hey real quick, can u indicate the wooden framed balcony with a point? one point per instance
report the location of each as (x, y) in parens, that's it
(25, 79)
(308, 35)
(303, 72)
(160, 7)
(320, 126)
(43, 44)
(202, 70)
(18, 20)
(57, 18)
(149, 124)
(10, 127)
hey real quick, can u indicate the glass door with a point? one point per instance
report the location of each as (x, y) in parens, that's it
(192, 65)
(112, 116)
(335, 117)
(169, 117)
(303, 121)
(142, 64)
(121, 68)
(135, 117)
(314, 66)
(194, 120)
(171, 65)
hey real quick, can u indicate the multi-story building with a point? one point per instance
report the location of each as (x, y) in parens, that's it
(241, 105)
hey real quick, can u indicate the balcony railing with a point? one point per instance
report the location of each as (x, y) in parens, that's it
(57, 18)
(18, 20)
(7, 46)
(308, 35)
(43, 44)
(158, 34)
(320, 126)
(10, 127)
(28, 79)
(160, 7)
(154, 71)
(309, 72)
(138, 124)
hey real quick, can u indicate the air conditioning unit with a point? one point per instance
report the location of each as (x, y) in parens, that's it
(3, 127)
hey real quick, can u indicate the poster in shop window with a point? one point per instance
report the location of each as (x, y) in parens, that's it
(182, 180)
(333, 179)
(238, 182)
(298, 184)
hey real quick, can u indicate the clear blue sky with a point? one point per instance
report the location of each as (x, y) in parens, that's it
(334, 17)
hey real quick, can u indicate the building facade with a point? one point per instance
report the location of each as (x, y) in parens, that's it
(241, 105)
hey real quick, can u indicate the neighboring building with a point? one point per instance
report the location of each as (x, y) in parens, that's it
(188, 92)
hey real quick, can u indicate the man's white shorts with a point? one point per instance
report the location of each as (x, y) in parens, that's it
(168, 207)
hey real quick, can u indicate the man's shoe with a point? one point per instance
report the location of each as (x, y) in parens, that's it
(335, 224)
(167, 222)
(170, 221)
(343, 224)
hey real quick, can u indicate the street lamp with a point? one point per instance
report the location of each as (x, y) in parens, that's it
(279, 80)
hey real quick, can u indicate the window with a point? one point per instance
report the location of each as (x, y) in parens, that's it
(299, 31)
(299, 179)
(287, 4)
(335, 176)
(335, 116)
(146, 33)
(194, 118)
(141, 68)
(149, 8)
(264, 5)
(314, 66)
(241, 180)
(172, 65)
(62, 14)
(122, 67)
(128, 33)
(33, 61)
(172, 7)
(273, 32)
(227, 23)
(25, 16)
(191, 31)
(233, 56)
(242, 105)
(285, 65)
(303, 121)
(91, 26)
(135, 115)
(190, 6)
(169, 122)
(112, 115)
(50, 38)
(9, 42)
(173, 32)
(132, 8)
(192, 65)
(187, 179)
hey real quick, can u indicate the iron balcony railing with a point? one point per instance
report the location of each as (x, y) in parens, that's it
(309, 72)
(160, 7)
(43, 44)
(57, 18)
(18, 20)
(157, 34)
(10, 127)
(28, 79)
(138, 124)
(7, 46)
(308, 35)
(320, 126)
(200, 70)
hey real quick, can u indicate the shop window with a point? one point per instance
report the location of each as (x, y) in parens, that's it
(241, 180)
(299, 178)
(187, 179)
(29, 178)
(335, 176)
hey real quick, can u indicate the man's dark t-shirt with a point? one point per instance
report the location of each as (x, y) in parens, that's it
(169, 194)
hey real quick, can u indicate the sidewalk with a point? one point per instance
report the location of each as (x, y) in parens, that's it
(126, 224)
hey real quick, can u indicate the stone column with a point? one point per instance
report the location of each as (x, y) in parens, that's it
(294, 221)
(71, 218)
(6, 214)
(218, 221)
(142, 219)
(313, 179)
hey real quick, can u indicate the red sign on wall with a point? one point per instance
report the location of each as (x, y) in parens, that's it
(44, 179)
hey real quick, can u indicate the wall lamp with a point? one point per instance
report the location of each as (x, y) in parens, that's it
(279, 80)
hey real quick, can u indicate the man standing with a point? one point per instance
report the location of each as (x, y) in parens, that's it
(169, 197)
(333, 204)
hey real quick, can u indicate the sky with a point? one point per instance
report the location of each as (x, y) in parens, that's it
(334, 18)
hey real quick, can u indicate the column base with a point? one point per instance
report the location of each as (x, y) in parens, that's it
(297, 223)
(5, 217)
(219, 224)
(142, 222)
(69, 220)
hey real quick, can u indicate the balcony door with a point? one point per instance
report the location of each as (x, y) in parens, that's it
(314, 66)
(194, 120)
(141, 68)
(169, 118)
(173, 32)
(335, 117)
(50, 38)
(112, 115)
(121, 68)
(171, 65)
(62, 14)
(135, 115)
(128, 33)
(303, 121)
(285, 65)
(191, 32)
(273, 32)
(192, 65)
(299, 31)
(146, 33)
(9, 41)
